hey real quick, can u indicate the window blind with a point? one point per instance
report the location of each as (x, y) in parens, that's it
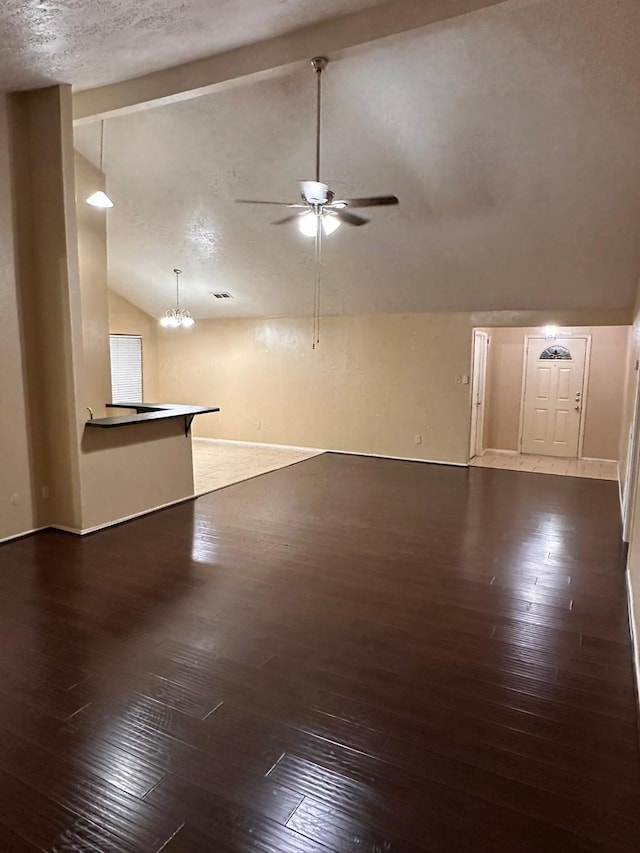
(126, 368)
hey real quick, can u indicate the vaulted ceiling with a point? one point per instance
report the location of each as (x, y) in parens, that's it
(511, 136)
(95, 42)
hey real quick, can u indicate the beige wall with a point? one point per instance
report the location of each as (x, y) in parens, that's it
(503, 390)
(628, 401)
(16, 510)
(54, 309)
(47, 263)
(605, 403)
(126, 319)
(632, 499)
(605, 397)
(130, 469)
(92, 256)
(373, 384)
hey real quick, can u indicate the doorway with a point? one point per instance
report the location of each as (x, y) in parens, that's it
(553, 396)
(478, 391)
(555, 437)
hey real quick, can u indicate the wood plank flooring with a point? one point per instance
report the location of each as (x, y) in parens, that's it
(345, 655)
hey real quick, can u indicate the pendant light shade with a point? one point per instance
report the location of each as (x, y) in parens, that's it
(330, 223)
(177, 317)
(309, 222)
(100, 198)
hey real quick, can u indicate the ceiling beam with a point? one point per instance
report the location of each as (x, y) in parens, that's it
(192, 79)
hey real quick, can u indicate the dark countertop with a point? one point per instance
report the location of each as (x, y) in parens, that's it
(146, 412)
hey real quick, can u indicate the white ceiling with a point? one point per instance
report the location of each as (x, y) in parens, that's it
(511, 136)
(102, 41)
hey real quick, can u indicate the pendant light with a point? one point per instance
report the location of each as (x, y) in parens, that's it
(177, 317)
(100, 198)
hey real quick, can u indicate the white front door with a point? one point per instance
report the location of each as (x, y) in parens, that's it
(553, 392)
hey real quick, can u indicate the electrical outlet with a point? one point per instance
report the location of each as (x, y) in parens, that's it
(44, 491)
(258, 425)
(15, 499)
(417, 439)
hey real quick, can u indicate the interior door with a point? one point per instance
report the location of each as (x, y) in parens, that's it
(554, 380)
(478, 384)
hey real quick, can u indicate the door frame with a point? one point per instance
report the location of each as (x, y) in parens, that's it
(631, 473)
(477, 425)
(585, 384)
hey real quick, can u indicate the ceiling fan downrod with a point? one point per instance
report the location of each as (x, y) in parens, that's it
(318, 63)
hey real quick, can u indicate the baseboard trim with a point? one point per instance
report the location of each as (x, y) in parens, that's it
(635, 640)
(23, 535)
(88, 530)
(503, 452)
(596, 459)
(263, 444)
(400, 458)
(621, 498)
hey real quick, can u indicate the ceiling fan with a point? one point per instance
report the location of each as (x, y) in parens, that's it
(318, 203)
(318, 210)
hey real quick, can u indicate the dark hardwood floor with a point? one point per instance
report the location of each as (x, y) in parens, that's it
(349, 654)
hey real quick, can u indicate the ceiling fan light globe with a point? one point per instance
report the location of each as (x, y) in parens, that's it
(330, 223)
(308, 224)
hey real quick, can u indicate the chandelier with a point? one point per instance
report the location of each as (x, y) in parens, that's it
(176, 317)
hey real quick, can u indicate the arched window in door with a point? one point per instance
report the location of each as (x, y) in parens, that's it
(556, 352)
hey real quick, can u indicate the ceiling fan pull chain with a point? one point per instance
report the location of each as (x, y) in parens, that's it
(318, 282)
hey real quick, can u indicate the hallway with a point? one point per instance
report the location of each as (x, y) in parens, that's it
(595, 469)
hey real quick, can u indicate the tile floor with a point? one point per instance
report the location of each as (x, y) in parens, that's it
(217, 464)
(548, 465)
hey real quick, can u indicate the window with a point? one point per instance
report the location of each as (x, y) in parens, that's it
(556, 351)
(126, 368)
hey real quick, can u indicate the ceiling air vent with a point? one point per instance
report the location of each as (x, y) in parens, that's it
(222, 294)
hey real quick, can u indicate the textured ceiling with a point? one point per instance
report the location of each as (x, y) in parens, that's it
(511, 136)
(94, 43)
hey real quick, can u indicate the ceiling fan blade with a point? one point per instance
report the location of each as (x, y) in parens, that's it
(372, 201)
(350, 218)
(256, 201)
(286, 219)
